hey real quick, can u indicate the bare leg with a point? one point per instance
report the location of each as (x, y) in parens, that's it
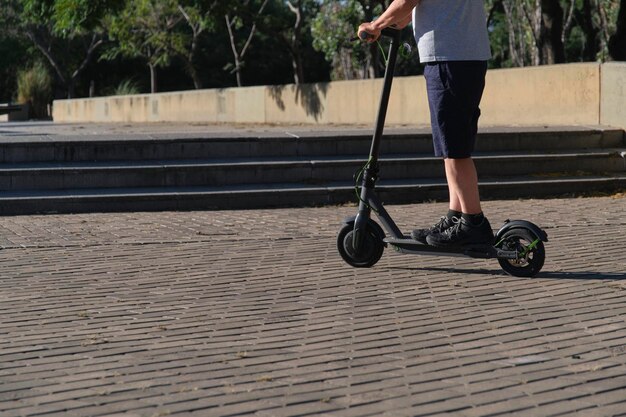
(455, 201)
(463, 185)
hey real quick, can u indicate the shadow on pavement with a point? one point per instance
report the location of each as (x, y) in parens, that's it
(583, 275)
(543, 274)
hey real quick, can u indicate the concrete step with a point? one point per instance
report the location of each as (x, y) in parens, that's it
(27, 149)
(271, 168)
(175, 173)
(285, 195)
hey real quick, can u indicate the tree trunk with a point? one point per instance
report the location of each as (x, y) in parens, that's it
(196, 30)
(535, 19)
(546, 21)
(68, 81)
(294, 49)
(552, 49)
(296, 64)
(591, 45)
(517, 45)
(238, 71)
(71, 88)
(153, 78)
(45, 50)
(569, 22)
(238, 56)
(197, 82)
(617, 42)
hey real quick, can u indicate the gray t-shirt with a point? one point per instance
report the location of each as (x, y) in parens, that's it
(451, 30)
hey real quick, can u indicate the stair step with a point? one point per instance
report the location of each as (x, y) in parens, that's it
(284, 195)
(185, 146)
(175, 171)
(172, 173)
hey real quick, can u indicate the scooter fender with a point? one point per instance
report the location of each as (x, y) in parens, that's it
(522, 224)
(375, 226)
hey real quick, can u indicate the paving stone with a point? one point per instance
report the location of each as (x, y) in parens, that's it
(138, 314)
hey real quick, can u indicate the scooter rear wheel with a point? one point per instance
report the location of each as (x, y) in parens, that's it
(370, 252)
(530, 260)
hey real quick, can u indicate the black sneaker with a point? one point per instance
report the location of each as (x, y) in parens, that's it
(462, 233)
(444, 223)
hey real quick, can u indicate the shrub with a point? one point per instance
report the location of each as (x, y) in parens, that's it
(127, 87)
(34, 87)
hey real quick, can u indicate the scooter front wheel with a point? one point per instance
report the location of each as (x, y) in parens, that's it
(371, 249)
(530, 250)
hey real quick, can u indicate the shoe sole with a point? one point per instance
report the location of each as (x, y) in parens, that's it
(461, 245)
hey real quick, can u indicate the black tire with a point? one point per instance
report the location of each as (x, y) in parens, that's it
(371, 250)
(519, 239)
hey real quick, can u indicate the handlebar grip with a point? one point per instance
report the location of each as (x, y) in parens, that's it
(389, 32)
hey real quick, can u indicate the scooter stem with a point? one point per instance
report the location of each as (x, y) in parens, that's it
(384, 98)
(370, 173)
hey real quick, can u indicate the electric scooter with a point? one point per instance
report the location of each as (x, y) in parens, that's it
(518, 245)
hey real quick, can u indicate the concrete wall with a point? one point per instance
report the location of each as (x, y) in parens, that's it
(244, 105)
(547, 95)
(550, 95)
(347, 102)
(613, 103)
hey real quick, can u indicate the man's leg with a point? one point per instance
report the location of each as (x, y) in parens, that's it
(454, 91)
(472, 227)
(463, 185)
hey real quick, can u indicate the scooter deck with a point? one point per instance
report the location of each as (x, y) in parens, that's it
(412, 246)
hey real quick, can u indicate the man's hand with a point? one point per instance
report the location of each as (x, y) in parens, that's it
(398, 13)
(371, 29)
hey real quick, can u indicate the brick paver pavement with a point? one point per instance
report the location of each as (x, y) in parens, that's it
(254, 313)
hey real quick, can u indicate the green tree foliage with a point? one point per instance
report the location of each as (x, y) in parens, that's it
(14, 53)
(66, 32)
(200, 18)
(216, 43)
(332, 29)
(335, 26)
(289, 23)
(126, 87)
(144, 29)
(242, 20)
(75, 17)
(537, 32)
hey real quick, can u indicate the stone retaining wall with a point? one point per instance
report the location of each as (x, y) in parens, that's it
(578, 94)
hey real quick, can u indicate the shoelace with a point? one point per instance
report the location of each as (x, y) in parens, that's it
(455, 228)
(444, 221)
(439, 225)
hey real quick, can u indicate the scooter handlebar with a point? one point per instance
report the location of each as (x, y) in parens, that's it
(388, 32)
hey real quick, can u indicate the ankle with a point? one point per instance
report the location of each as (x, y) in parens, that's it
(474, 219)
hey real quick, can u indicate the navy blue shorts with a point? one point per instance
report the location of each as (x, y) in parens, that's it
(454, 92)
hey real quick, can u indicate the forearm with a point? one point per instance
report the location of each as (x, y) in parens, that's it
(398, 13)
(404, 22)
